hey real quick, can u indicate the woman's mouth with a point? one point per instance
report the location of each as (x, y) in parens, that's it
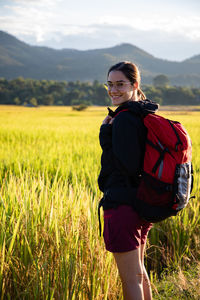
(115, 97)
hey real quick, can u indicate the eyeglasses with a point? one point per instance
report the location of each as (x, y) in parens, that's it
(119, 85)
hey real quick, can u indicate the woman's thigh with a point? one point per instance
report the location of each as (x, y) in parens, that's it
(129, 265)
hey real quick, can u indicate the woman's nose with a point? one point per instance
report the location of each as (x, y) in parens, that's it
(114, 88)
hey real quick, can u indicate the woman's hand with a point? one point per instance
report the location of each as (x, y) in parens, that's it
(108, 120)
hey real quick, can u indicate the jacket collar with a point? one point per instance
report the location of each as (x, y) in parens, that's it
(141, 108)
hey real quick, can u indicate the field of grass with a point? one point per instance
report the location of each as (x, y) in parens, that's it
(49, 240)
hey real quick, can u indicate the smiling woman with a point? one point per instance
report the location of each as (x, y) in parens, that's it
(119, 89)
(122, 138)
(123, 83)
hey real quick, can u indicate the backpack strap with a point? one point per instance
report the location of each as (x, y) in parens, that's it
(160, 159)
(99, 213)
(176, 133)
(125, 109)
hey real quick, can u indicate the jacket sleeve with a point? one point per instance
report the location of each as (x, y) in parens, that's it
(105, 136)
(126, 142)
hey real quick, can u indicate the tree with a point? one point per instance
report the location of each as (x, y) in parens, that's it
(153, 93)
(100, 94)
(161, 81)
(48, 100)
(80, 107)
(33, 101)
(17, 101)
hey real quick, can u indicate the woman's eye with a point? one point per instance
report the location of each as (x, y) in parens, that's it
(120, 84)
(110, 85)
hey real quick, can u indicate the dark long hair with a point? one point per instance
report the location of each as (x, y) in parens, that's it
(131, 72)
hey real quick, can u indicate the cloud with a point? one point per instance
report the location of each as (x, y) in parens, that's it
(39, 3)
(29, 18)
(47, 16)
(188, 25)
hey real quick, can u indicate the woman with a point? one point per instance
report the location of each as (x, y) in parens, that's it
(122, 138)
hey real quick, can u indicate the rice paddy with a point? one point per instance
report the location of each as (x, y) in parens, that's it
(49, 240)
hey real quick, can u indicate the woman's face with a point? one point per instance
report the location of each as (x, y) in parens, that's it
(120, 88)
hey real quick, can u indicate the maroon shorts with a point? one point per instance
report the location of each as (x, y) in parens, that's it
(124, 230)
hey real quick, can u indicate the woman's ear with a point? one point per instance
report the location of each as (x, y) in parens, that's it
(135, 85)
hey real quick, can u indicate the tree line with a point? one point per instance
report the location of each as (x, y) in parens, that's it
(31, 92)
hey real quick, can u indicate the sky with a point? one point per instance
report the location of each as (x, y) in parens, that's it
(165, 29)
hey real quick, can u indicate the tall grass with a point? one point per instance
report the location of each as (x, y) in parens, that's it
(49, 240)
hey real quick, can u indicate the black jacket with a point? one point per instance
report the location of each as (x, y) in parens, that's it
(123, 145)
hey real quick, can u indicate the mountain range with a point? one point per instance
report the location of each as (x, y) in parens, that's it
(20, 59)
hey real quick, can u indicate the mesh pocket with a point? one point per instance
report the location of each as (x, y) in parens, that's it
(184, 183)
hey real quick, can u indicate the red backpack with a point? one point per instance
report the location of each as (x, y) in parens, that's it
(167, 177)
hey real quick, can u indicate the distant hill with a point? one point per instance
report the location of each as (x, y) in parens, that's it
(20, 59)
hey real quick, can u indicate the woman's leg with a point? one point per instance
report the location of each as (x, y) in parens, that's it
(146, 282)
(131, 274)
